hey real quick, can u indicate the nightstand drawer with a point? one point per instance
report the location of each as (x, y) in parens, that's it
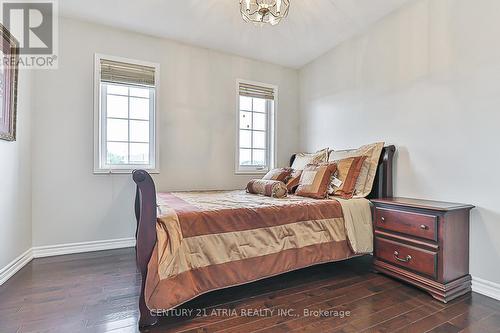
(418, 260)
(410, 223)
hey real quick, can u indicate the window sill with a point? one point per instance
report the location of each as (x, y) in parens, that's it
(123, 171)
(263, 172)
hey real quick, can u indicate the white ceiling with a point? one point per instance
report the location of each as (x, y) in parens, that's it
(312, 27)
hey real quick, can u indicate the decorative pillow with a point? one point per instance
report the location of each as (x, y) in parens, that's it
(344, 181)
(280, 174)
(303, 159)
(368, 170)
(270, 188)
(315, 179)
(293, 181)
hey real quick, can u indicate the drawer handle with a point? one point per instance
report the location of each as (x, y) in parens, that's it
(424, 227)
(396, 255)
(383, 219)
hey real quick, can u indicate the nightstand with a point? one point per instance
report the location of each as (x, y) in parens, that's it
(424, 243)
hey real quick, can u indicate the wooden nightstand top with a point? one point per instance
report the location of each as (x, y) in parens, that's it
(422, 204)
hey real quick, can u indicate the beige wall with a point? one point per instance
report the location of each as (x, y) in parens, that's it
(15, 180)
(426, 78)
(197, 129)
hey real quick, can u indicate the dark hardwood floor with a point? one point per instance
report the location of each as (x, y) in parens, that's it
(98, 292)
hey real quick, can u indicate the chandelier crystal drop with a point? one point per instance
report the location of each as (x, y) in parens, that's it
(261, 12)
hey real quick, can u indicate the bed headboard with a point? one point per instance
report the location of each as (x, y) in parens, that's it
(382, 185)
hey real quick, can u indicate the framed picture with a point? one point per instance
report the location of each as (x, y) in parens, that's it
(9, 56)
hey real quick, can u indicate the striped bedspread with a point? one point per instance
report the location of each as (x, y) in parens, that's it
(212, 240)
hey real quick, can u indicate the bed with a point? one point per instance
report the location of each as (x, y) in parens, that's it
(190, 243)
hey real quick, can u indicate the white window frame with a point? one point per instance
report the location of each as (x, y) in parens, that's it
(271, 131)
(100, 167)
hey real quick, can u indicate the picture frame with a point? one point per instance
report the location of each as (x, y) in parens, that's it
(9, 56)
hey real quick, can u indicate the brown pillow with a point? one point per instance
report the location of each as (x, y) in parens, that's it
(293, 181)
(280, 174)
(343, 183)
(270, 188)
(315, 179)
(372, 152)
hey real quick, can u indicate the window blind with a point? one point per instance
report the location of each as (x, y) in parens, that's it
(251, 90)
(120, 72)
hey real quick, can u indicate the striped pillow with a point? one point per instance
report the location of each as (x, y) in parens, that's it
(315, 179)
(343, 183)
(372, 152)
(269, 188)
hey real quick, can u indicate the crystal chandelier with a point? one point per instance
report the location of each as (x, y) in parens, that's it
(261, 12)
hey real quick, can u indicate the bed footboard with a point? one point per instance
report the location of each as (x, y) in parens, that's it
(145, 213)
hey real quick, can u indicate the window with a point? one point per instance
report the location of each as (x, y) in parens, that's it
(255, 144)
(125, 115)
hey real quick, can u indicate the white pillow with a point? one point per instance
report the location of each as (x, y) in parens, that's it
(303, 159)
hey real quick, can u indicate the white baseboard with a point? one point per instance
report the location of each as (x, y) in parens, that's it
(486, 288)
(15, 265)
(61, 249)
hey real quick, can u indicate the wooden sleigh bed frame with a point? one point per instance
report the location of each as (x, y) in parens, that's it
(146, 208)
